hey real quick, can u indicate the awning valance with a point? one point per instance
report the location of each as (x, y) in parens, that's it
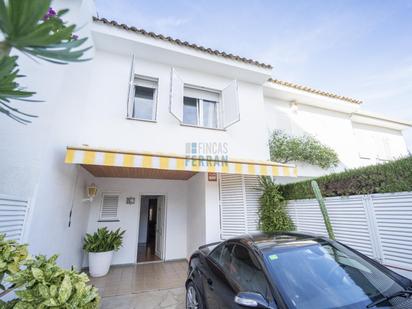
(104, 157)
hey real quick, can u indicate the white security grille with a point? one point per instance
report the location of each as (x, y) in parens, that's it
(13, 211)
(239, 199)
(110, 204)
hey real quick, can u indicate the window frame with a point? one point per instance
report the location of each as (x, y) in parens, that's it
(200, 107)
(130, 106)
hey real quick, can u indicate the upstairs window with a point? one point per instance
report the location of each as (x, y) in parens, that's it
(200, 107)
(144, 100)
(197, 106)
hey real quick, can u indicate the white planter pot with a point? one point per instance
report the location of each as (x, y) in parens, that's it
(99, 263)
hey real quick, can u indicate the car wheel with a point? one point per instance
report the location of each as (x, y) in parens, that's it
(193, 300)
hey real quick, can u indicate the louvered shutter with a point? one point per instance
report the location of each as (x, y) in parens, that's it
(13, 212)
(232, 211)
(176, 95)
(110, 205)
(239, 205)
(130, 101)
(230, 105)
(252, 195)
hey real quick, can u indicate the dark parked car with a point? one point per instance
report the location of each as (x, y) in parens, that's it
(291, 270)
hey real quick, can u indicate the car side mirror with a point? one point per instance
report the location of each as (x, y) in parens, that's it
(251, 299)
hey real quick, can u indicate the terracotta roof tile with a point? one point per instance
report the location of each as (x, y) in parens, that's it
(182, 43)
(315, 91)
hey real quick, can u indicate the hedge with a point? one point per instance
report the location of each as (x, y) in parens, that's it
(394, 176)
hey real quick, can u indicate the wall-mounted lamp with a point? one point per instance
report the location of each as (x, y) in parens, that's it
(91, 192)
(294, 106)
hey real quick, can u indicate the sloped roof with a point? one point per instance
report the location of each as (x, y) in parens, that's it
(182, 43)
(315, 91)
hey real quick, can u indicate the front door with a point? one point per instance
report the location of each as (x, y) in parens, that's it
(160, 226)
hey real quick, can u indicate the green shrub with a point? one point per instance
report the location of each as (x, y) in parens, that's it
(103, 240)
(47, 285)
(273, 216)
(285, 148)
(394, 176)
(12, 255)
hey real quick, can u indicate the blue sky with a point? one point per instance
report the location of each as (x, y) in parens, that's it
(361, 49)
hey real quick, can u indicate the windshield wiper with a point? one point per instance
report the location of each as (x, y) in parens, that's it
(403, 293)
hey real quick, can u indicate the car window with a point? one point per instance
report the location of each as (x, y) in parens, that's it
(222, 255)
(246, 274)
(216, 253)
(321, 275)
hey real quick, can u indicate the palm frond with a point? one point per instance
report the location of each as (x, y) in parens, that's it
(10, 89)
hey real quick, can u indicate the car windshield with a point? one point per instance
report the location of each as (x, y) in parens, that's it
(315, 274)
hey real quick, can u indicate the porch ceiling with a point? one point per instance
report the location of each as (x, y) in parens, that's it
(133, 172)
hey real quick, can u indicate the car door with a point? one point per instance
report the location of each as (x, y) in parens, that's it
(215, 283)
(244, 275)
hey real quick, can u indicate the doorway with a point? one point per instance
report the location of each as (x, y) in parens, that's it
(151, 229)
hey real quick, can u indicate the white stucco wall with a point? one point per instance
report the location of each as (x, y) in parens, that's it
(175, 192)
(203, 216)
(332, 128)
(196, 212)
(212, 211)
(32, 155)
(106, 105)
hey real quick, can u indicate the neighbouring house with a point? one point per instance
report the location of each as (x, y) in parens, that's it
(172, 134)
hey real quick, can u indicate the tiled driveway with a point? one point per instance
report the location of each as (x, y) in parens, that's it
(155, 285)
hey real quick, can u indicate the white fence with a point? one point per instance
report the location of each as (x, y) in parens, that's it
(378, 225)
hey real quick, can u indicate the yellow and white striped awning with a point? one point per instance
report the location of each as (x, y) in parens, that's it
(104, 157)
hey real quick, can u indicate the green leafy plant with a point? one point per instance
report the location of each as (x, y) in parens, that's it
(103, 240)
(273, 216)
(12, 255)
(394, 176)
(35, 29)
(44, 285)
(285, 148)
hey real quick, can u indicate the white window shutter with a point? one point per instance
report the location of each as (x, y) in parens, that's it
(380, 148)
(13, 212)
(232, 208)
(176, 95)
(130, 101)
(110, 205)
(387, 147)
(366, 145)
(239, 204)
(230, 105)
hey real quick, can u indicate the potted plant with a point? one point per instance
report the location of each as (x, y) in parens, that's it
(100, 247)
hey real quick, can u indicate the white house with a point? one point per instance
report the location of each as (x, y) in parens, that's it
(169, 132)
